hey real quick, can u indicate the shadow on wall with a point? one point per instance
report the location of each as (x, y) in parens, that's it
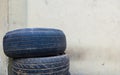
(76, 53)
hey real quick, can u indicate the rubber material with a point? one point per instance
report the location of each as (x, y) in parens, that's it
(57, 65)
(34, 42)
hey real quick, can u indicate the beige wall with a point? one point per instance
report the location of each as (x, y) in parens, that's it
(92, 28)
(3, 29)
(11, 17)
(17, 14)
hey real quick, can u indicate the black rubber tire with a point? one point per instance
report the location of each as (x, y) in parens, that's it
(34, 42)
(68, 73)
(56, 65)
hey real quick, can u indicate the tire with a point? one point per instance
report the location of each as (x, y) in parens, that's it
(34, 42)
(68, 73)
(56, 65)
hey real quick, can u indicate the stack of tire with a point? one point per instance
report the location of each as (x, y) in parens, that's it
(37, 51)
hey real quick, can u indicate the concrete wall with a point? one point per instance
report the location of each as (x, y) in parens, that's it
(17, 14)
(11, 17)
(3, 30)
(92, 28)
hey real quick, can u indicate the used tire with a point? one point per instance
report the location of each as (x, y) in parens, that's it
(34, 42)
(56, 65)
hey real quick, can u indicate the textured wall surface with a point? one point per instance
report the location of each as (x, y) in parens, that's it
(17, 14)
(92, 28)
(12, 17)
(3, 29)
